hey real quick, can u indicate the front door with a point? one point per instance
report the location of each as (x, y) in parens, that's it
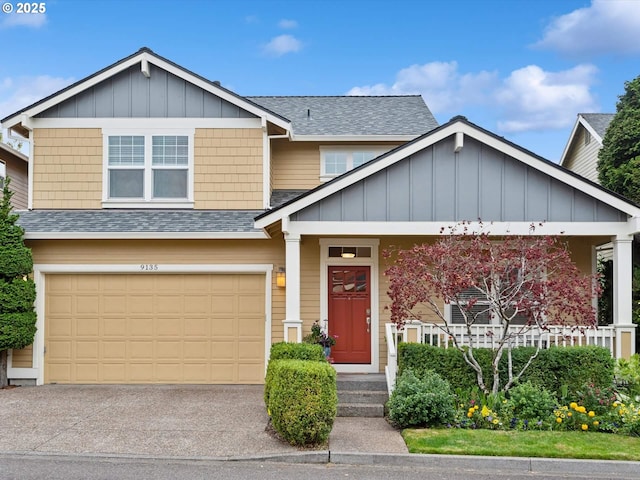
(350, 314)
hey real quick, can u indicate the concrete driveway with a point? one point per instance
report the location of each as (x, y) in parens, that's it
(156, 420)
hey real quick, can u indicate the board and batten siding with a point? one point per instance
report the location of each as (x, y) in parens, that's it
(479, 182)
(129, 94)
(583, 158)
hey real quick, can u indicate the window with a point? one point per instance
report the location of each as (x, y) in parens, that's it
(3, 173)
(587, 137)
(148, 168)
(336, 161)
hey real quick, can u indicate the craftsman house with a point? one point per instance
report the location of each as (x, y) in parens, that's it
(178, 229)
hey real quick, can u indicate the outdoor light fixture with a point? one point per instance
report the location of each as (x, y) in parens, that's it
(281, 278)
(348, 252)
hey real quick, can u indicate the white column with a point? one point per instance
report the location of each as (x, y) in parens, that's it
(292, 321)
(622, 297)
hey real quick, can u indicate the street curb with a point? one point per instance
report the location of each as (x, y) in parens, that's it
(583, 468)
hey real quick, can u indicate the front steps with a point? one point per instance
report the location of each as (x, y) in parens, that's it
(361, 395)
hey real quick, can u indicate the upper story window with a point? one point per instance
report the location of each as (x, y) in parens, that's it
(587, 137)
(3, 174)
(335, 161)
(149, 169)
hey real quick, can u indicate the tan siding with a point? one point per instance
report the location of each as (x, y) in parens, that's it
(228, 169)
(296, 165)
(309, 282)
(583, 159)
(23, 358)
(67, 168)
(17, 170)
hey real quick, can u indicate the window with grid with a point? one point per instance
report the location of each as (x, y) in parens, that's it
(335, 162)
(148, 167)
(480, 309)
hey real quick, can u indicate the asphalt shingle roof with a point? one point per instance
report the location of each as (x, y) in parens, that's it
(599, 121)
(353, 115)
(139, 221)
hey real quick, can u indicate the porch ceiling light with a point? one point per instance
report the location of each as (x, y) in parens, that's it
(348, 252)
(281, 278)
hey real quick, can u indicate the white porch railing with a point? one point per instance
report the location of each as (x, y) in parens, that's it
(485, 336)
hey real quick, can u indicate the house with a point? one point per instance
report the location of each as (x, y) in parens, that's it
(585, 141)
(13, 164)
(178, 229)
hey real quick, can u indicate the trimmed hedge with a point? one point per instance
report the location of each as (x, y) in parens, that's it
(17, 329)
(290, 351)
(303, 401)
(553, 368)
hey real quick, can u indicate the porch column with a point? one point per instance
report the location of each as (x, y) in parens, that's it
(292, 321)
(622, 297)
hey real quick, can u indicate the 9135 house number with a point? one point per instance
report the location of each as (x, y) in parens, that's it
(149, 267)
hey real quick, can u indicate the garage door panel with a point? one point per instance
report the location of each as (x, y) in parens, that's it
(114, 326)
(117, 328)
(87, 350)
(87, 327)
(59, 304)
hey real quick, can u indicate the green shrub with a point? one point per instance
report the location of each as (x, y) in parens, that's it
(628, 376)
(424, 401)
(17, 329)
(529, 402)
(16, 295)
(290, 351)
(572, 367)
(303, 401)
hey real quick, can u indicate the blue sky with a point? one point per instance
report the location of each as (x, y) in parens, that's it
(521, 68)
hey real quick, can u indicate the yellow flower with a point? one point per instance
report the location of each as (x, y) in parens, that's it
(596, 423)
(462, 405)
(592, 413)
(585, 426)
(615, 404)
(469, 414)
(581, 409)
(559, 420)
(569, 414)
(485, 411)
(574, 405)
(476, 407)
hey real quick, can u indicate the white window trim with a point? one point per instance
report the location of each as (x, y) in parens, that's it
(349, 151)
(148, 202)
(3, 173)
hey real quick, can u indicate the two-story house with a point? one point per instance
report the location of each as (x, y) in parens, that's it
(178, 229)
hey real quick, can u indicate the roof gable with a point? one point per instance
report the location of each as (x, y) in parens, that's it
(536, 188)
(594, 123)
(144, 62)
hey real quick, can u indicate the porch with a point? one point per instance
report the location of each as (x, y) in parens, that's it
(618, 339)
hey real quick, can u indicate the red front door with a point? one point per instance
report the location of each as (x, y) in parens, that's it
(350, 314)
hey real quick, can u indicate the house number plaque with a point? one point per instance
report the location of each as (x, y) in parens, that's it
(149, 267)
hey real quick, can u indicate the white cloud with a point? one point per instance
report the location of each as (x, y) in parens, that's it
(606, 26)
(18, 93)
(287, 24)
(443, 88)
(33, 20)
(528, 99)
(282, 45)
(532, 99)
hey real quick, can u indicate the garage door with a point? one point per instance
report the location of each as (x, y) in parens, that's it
(154, 328)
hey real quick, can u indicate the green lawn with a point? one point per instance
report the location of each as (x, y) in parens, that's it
(454, 441)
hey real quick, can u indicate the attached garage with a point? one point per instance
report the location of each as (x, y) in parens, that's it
(154, 328)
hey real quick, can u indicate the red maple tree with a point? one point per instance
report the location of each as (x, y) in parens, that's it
(514, 283)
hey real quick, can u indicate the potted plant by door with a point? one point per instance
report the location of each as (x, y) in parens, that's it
(321, 337)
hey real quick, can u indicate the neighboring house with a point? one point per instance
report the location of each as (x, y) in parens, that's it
(164, 211)
(13, 164)
(581, 152)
